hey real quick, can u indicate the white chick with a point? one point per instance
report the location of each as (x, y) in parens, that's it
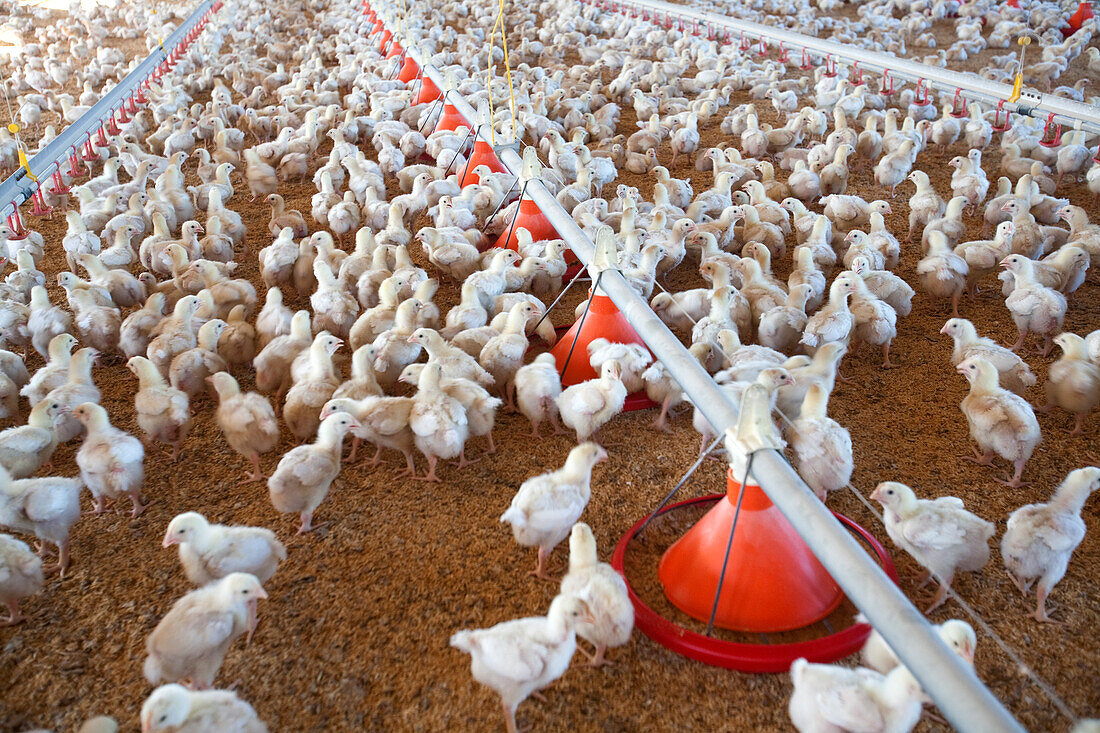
(959, 635)
(547, 506)
(25, 448)
(517, 658)
(46, 507)
(538, 386)
(1073, 381)
(664, 390)
(832, 699)
(247, 420)
(209, 552)
(1013, 372)
(1040, 538)
(1000, 421)
(586, 407)
(20, 576)
(191, 641)
(940, 534)
(111, 461)
(632, 358)
(822, 448)
(604, 592)
(304, 474)
(177, 709)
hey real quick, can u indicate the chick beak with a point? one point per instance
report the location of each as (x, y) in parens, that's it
(169, 540)
(1006, 206)
(146, 723)
(261, 593)
(875, 495)
(944, 330)
(968, 654)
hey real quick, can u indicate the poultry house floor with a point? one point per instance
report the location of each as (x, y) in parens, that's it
(355, 632)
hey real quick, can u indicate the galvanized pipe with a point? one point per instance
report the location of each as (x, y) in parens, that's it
(960, 695)
(19, 187)
(971, 86)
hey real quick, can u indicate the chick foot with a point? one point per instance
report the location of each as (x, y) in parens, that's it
(982, 459)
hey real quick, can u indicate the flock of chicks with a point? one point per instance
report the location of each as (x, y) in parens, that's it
(164, 253)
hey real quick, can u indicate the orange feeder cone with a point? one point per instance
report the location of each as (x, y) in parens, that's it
(429, 92)
(772, 582)
(386, 36)
(483, 155)
(603, 320)
(395, 50)
(378, 26)
(409, 70)
(450, 119)
(1084, 12)
(532, 219)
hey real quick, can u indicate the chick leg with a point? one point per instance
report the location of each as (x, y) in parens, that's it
(982, 459)
(1019, 341)
(257, 474)
(509, 717)
(1015, 481)
(955, 304)
(463, 460)
(1078, 424)
(410, 467)
(886, 363)
(941, 594)
(492, 445)
(540, 565)
(1019, 583)
(307, 524)
(535, 428)
(139, 508)
(598, 659)
(1048, 344)
(430, 475)
(1041, 606)
(14, 614)
(661, 423)
(355, 448)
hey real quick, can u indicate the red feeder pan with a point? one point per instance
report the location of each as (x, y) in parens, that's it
(483, 155)
(754, 658)
(603, 320)
(429, 92)
(772, 582)
(409, 70)
(450, 119)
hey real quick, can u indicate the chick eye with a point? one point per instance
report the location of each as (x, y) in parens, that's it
(162, 718)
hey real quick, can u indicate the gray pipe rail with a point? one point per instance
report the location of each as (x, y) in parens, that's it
(969, 86)
(958, 692)
(19, 187)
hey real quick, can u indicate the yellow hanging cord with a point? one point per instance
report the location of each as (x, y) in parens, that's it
(489, 86)
(507, 68)
(1018, 84)
(13, 128)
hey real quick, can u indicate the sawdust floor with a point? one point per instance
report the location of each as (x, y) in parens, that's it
(355, 632)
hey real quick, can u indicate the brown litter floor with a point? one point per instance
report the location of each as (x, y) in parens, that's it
(354, 635)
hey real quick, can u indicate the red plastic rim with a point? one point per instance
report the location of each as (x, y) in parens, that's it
(754, 658)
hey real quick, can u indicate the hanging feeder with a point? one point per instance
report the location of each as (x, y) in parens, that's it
(829, 640)
(806, 65)
(999, 124)
(15, 224)
(886, 78)
(923, 97)
(830, 66)
(1056, 138)
(602, 319)
(956, 111)
(38, 206)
